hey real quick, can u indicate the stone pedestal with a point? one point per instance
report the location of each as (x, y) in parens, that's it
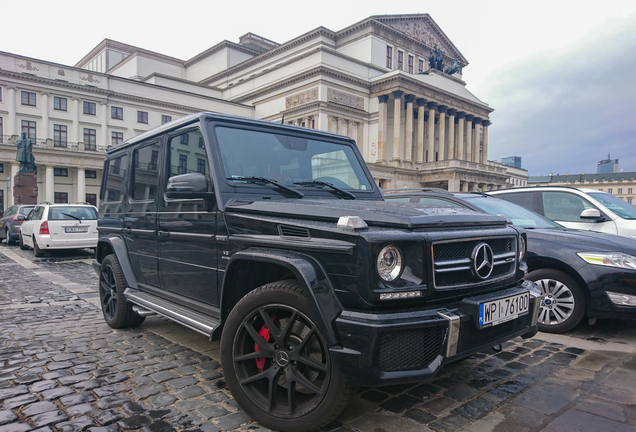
(25, 188)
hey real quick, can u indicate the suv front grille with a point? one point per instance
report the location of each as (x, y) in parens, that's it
(409, 349)
(454, 266)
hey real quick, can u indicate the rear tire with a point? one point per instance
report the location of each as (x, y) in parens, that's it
(562, 300)
(36, 249)
(290, 383)
(118, 312)
(8, 237)
(22, 245)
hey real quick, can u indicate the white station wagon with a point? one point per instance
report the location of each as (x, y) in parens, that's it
(59, 226)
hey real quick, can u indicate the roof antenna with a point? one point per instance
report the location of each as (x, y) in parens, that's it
(283, 119)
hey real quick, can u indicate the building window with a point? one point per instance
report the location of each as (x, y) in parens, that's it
(1, 201)
(117, 113)
(154, 157)
(1, 132)
(609, 191)
(142, 117)
(200, 142)
(59, 103)
(91, 199)
(59, 136)
(90, 174)
(1, 168)
(28, 98)
(29, 128)
(183, 164)
(201, 165)
(420, 65)
(400, 60)
(165, 119)
(90, 139)
(117, 138)
(60, 172)
(629, 200)
(389, 57)
(629, 190)
(0, 94)
(620, 191)
(89, 108)
(184, 139)
(61, 198)
(411, 64)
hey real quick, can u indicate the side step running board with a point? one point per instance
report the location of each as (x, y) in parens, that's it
(184, 316)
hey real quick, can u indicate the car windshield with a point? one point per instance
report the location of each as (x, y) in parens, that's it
(518, 215)
(72, 213)
(292, 161)
(615, 204)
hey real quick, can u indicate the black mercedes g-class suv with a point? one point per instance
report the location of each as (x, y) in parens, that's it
(276, 240)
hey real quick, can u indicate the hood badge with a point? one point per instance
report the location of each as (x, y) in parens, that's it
(483, 260)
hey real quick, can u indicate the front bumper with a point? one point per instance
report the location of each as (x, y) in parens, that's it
(381, 349)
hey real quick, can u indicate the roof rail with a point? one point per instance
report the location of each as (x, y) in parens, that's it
(436, 190)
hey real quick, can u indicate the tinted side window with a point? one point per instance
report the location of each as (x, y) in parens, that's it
(114, 182)
(524, 199)
(186, 155)
(145, 177)
(563, 206)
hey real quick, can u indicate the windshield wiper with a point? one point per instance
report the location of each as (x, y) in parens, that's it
(263, 181)
(343, 193)
(74, 217)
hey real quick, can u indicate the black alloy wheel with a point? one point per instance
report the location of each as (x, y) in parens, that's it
(277, 363)
(117, 311)
(22, 245)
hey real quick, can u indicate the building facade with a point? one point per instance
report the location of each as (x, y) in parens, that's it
(416, 125)
(622, 184)
(513, 161)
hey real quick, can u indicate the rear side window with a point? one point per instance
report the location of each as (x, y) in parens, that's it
(25, 210)
(524, 199)
(145, 174)
(72, 213)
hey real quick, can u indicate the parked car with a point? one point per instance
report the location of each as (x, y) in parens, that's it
(579, 272)
(578, 208)
(11, 221)
(59, 226)
(276, 240)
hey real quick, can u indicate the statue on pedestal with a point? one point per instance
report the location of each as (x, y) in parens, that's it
(25, 154)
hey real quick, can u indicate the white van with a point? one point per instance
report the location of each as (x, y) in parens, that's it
(577, 208)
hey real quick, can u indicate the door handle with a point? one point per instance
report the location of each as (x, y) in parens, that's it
(164, 233)
(127, 230)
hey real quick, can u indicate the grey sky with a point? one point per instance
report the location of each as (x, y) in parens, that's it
(559, 74)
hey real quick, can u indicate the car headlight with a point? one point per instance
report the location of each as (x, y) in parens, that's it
(610, 259)
(389, 263)
(522, 248)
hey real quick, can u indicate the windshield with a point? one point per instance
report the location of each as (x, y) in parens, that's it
(615, 204)
(289, 160)
(518, 215)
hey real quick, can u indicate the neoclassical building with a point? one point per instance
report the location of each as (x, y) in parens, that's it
(393, 83)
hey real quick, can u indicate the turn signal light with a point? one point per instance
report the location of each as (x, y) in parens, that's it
(44, 228)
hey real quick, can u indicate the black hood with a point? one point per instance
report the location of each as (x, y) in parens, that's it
(586, 240)
(374, 213)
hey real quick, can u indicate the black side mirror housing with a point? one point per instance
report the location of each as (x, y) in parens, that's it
(188, 186)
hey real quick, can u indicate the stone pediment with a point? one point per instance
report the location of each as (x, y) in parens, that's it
(423, 29)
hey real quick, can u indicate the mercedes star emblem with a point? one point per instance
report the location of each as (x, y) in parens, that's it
(483, 260)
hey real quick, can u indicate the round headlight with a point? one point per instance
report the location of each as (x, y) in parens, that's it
(522, 248)
(389, 263)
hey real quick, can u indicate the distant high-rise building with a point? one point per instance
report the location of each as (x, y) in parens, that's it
(513, 161)
(607, 166)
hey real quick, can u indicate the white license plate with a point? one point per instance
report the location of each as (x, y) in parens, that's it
(502, 310)
(76, 229)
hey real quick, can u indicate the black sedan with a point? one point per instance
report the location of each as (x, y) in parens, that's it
(580, 272)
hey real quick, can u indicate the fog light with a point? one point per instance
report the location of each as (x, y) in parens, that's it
(622, 299)
(400, 295)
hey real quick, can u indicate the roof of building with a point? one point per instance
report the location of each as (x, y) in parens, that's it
(572, 178)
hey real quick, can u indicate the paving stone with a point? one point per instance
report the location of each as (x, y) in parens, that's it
(603, 409)
(19, 401)
(190, 392)
(144, 392)
(56, 393)
(181, 382)
(16, 427)
(420, 416)
(547, 399)
(111, 389)
(7, 416)
(513, 386)
(76, 399)
(215, 397)
(112, 401)
(107, 417)
(562, 358)
(162, 400)
(425, 390)
(461, 392)
(75, 425)
(213, 411)
(162, 376)
(134, 408)
(81, 409)
(399, 404)
(581, 421)
(374, 396)
(38, 408)
(438, 405)
(448, 424)
(48, 418)
(12, 392)
(621, 379)
(134, 422)
(386, 423)
(473, 409)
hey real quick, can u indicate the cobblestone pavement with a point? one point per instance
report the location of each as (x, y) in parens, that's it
(63, 369)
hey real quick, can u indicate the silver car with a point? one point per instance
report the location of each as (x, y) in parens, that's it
(11, 221)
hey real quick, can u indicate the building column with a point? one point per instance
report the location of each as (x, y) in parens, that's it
(44, 133)
(419, 157)
(49, 185)
(461, 153)
(382, 123)
(476, 136)
(484, 150)
(451, 133)
(431, 132)
(469, 137)
(339, 125)
(408, 139)
(15, 167)
(105, 115)
(81, 185)
(442, 132)
(75, 128)
(454, 185)
(397, 120)
(12, 118)
(464, 186)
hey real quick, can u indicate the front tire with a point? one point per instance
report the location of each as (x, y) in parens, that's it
(562, 300)
(118, 312)
(276, 361)
(22, 245)
(36, 249)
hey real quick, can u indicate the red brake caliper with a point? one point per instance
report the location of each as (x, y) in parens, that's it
(264, 332)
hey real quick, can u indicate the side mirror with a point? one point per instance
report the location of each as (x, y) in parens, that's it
(592, 214)
(188, 186)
